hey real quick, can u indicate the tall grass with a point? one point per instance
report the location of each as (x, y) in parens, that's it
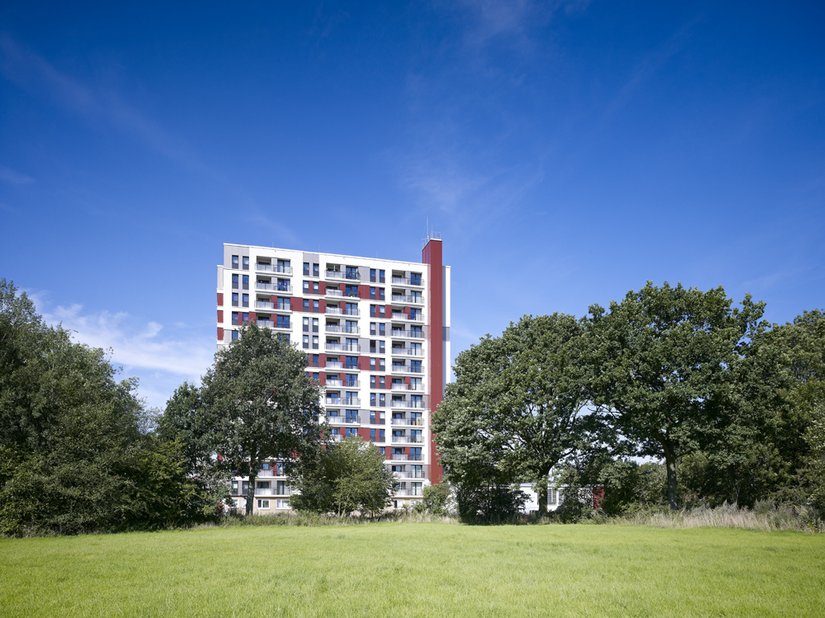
(764, 516)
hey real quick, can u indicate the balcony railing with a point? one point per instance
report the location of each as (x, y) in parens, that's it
(334, 364)
(402, 457)
(334, 274)
(333, 292)
(334, 328)
(399, 404)
(333, 310)
(273, 268)
(264, 304)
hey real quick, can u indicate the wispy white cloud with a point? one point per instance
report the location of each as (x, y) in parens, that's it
(33, 72)
(280, 232)
(161, 360)
(14, 177)
(136, 345)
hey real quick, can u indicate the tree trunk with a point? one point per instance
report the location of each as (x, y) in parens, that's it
(250, 491)
(543, 496)
(670, 465)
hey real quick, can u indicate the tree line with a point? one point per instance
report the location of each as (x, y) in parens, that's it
(79, 452)
(732, 405)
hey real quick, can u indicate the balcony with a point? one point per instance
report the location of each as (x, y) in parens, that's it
(335, 293)
(334, 328)
(333, 347)
(334, 402)
(265, 304)
(273, 268)
(399, 404)
(273, 287)
(400, 421)
(351, 401)
(334, 310)
(400, 387)
(334, 364)
(403, 457)
(351, 311)
(334, 274)
(398, 332)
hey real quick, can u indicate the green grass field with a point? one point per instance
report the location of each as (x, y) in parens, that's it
(414, 569)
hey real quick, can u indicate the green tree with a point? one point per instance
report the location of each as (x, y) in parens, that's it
(259, 404)
(515, 409)
(73, 456)
(435, 500)
(345, 476)
(662, 363)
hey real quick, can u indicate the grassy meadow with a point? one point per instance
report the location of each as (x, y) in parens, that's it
(417, 569)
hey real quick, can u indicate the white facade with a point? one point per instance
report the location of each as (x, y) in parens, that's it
(367, 326)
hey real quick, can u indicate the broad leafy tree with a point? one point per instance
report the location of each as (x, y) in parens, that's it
(72, 456)
(345, 477)
(516, 407)
(259, 404)
(662, 362)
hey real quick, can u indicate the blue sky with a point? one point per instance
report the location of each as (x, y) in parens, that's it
(567, 152)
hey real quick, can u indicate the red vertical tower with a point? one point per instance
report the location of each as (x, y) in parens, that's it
(432, 255)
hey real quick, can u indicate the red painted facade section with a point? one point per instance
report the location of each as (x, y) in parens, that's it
(220, 298)
(253, 317)
(220, 316)
(432, 255)
(296, 303)
(220, 334)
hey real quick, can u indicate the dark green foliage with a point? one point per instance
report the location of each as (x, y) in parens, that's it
(663, 362)
(488, 504)
(515, 409)
(436, 500)
(258, 404)
(344, 477)
(72, 456)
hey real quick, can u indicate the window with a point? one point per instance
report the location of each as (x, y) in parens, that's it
(305, 323)
(375, 418)
(246, 262)
(244, 300)
(351, 290)
(246, 282)
(282, 321)
(351, 362)
(306, 304)
(351, 272)
(234, 261)
(373, 275)
(306, 272)
(235, 335)
(351, 309)
(305, 342)
(263, 504)
(283, 285)
(415, 453)
(283, 304)
(315, 342)
(415, 366)
(351, 416)
(235, 297)
(316, 271)
(234, 282)
(280, 468)
(415, 278)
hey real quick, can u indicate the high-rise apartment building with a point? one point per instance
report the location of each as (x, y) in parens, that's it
(376, 334)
